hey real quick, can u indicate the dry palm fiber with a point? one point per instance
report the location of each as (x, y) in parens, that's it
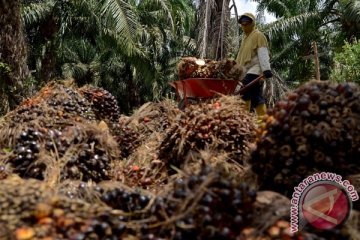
(151, 117)
(219, 125)
(103, 103)
(191, 67)
(314, 129)
(215, 159)
(81, 151)
(355, 181)
(352, 225)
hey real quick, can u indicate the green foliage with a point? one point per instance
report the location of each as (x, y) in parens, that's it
(4, 68)
(347, 64)
(300, 23)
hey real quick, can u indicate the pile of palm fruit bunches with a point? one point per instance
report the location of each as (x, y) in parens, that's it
(73, 167)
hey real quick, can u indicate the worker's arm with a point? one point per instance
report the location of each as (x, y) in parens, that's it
(264, 59)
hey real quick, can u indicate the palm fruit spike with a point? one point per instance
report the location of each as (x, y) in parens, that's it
(103, 103)
(222, 124)
(314, 129)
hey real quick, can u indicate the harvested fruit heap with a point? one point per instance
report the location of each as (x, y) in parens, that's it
(103, 103)
(221, 124)
(206, 205)
(210, 196)
(315, 129)
(81, 151)
(191, 67)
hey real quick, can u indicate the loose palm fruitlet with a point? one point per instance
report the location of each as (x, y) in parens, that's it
(315, 129)
(103, 103)
(191, 67)
(222, 124)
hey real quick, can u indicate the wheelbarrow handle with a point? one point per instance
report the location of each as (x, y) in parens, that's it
(248, 86)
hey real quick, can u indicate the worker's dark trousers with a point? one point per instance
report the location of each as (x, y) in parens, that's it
(254, 94)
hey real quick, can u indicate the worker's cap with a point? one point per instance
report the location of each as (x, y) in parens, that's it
(244, 18)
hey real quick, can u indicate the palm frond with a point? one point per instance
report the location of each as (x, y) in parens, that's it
(352, 11)
(161, 9)
(276, 7)
(122, 15)
(289, 25)
(34, 13)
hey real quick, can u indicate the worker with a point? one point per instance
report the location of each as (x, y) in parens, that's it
(254, 57)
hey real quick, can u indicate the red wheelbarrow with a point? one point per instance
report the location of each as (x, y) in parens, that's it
(195, 89)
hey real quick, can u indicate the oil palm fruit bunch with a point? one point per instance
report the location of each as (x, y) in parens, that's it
(69, 103)
(81, 151)
(86, 152)
(65, 100)
(103, 103)
(127, 138)
(314, 129)
(151, 117)
(221, 124)
(204, 205)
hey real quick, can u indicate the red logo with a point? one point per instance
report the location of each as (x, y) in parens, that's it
(325, 205)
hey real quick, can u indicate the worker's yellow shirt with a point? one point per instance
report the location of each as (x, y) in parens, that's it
(253, 51)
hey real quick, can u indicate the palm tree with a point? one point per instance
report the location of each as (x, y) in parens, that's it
(129, 46)
(300, 23)
(13, 53)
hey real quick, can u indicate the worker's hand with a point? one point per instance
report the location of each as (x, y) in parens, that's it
(267, 74)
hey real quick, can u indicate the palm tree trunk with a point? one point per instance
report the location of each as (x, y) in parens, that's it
(213, 36)
(132, 90)
(13, 52)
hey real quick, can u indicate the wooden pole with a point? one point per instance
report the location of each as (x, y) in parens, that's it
(317, 65)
